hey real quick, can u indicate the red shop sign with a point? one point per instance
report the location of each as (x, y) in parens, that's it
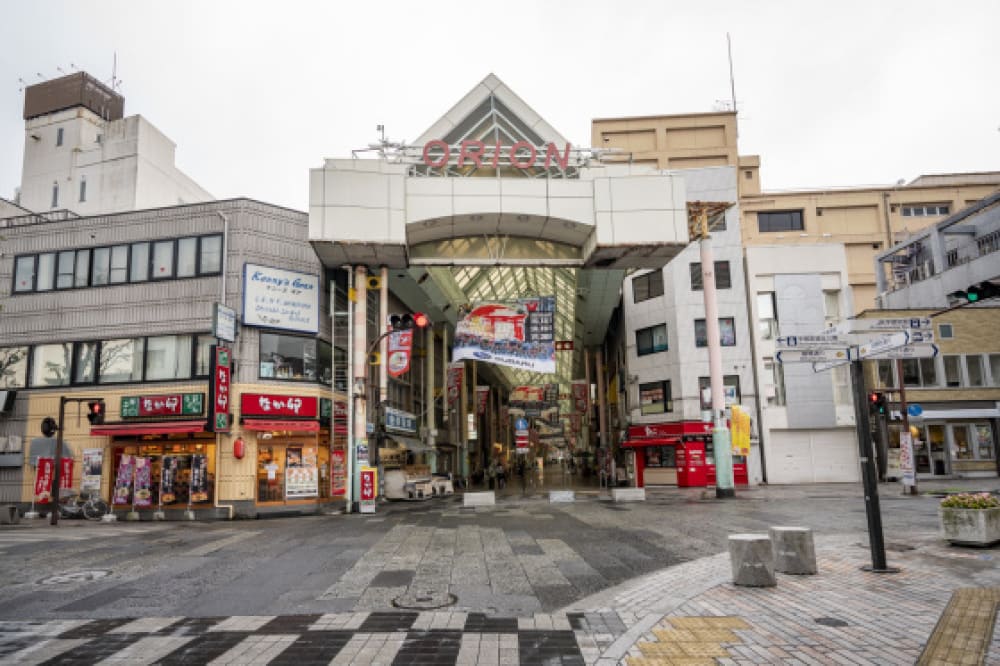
(267, 404)
(219, 388)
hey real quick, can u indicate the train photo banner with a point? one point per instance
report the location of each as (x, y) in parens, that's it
(515, 333)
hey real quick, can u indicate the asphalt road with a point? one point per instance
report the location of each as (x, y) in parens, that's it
(523, 556)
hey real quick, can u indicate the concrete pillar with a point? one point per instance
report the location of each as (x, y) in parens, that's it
(429, 419)
(720, 433)
(359, 376)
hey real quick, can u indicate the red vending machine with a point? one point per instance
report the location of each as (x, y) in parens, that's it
(691, 469)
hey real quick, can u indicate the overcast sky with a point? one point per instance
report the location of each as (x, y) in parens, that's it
(255, 94)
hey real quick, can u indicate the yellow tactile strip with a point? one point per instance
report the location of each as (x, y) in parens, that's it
(691, 641)
(965, 628)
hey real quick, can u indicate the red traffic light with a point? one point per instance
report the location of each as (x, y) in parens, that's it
(420, 320)
(873, 398)
(95, 413)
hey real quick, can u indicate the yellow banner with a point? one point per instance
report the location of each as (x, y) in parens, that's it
(740, 431)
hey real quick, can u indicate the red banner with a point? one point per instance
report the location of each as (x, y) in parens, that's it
(339, 476)
(219, 395)
(580, 391)
(455, 373)
(400, 347)
(267, 404)
(482, 398)
(368, 484)
(44, 474)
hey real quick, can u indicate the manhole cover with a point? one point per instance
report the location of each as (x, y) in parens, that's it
(71, 577)
(830, 622)
(424, 600)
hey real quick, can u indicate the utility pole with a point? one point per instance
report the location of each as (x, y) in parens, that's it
(699, 214)
(905, 434)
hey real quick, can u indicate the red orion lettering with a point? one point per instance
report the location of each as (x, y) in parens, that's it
(521, 155)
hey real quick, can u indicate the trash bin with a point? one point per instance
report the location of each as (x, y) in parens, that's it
(9, 515)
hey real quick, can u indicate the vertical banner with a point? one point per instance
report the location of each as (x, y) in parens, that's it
(218, 389)
(369, 483)
(906, 466)
(44, 472)
(740, 431)
(143, 482)
(339, 477)
(199, 478)
(399, 350)
(167, 475)
(123, 482)
(456, 370)
(580, 390)
(66, 474)
(93, 469)
(482, 398)
(517, 334)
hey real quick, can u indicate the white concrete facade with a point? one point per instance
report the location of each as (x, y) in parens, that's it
(76, 160)
(807, 422)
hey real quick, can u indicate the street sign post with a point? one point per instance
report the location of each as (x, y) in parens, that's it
(797, 341)
(813, 355)
(883, 343)
(888, 325)
(908, 351)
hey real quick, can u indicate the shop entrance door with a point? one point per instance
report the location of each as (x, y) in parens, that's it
(931, 452)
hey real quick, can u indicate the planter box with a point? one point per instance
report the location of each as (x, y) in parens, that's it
(970, 527)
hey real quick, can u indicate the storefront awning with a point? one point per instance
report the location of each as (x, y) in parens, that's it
(652, 441)
(152, 428)
(294, 426)
(412, 443)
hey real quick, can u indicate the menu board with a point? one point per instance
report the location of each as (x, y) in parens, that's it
(301, 473)
(199, 478)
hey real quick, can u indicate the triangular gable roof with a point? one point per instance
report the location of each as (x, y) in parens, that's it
(491, 100)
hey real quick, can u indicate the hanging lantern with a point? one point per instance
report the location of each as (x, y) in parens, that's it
(239, 448)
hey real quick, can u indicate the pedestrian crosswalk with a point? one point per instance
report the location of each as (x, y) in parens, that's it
(338, 638)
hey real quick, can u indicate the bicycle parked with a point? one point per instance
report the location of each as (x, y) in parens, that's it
(82, 505)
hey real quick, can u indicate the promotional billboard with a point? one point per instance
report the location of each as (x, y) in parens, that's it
(277, 298)
(399, 351)
(517, 334)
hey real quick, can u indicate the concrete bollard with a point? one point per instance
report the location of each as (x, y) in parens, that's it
(793, 550)
(752, 560)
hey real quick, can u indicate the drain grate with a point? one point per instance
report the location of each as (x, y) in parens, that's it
(830, 622)
(70, 577)
(424, 600)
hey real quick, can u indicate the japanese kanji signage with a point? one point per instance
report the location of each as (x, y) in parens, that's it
(399, 348)
(369, 488)
(174, 404)
(267, 404)
(219, 389)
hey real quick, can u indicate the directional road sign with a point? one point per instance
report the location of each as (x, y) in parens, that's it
(902, 324)
(832, 340)
(917, 337)
(813, 355)
(908, 351)
(883, 343)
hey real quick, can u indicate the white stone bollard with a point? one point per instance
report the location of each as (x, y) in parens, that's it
(793, 550)
(752, 560)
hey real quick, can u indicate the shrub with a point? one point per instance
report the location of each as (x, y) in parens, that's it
(971, 501)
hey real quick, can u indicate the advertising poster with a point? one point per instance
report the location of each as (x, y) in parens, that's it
(369, 484)
(43, 480)
(482, 399)
(143, 482)
(906, 466)
(167, 476)
(455, 372)
(339, 473)
(301, 474)
(516, 334)
(123, 482)
(740, 431)
(93, 469)
(399, 349)
(278, 298)
(580, 390)
(199, 479)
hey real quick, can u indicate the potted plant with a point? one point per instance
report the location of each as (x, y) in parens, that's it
(971, 519)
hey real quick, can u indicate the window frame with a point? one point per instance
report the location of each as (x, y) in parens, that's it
(651, 285)
(722, 343)
(695, 269)
(768, 214)
(652, 348)
(33, 270)
(304, 379)
(661, 385)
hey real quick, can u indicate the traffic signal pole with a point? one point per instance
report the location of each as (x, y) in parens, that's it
(57, 472)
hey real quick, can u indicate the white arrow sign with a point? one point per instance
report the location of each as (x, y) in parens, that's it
(909, 351)
(861, 325)
(824, 341)
(921, 337)
(813, 355)
(883, 344)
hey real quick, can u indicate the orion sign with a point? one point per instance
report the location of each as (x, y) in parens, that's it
(520, 155)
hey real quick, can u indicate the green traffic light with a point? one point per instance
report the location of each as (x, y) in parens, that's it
(972, 296)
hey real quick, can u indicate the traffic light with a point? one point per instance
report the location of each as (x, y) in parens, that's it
(406, 322)
(876, 401)
(95, 412)
(977, 292)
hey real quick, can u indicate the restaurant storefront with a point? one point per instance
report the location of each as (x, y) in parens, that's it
(679, 453)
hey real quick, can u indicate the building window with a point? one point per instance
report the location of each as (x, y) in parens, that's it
(651, 340)
(974, 369)
(139, 270)
(100, 272)
(660, 456)
(776, 391)
(13, 367)
(50, 365)
(919, 372)
(83, 188)
(925, 210)
(46, 275)
(119, 264)
(727, 332)
(325, 362)
(654, 398)
(82, 275)
(994, 361)
(731, 390)
(168, 357)
(187, 257)
(831, 307)
(24, 274)
(287, 357)
(55, 195)
(121, 361)
(647, 286)
(886, 373)
(748, 175)
(85, 363)
(788, 220)
(952, 371)
(203, 355)
(210, 255)
(66, 270)
(982, 441)
(946, 331)
(767, 315)
(163, 260)
(723, 279)
(59, 136)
